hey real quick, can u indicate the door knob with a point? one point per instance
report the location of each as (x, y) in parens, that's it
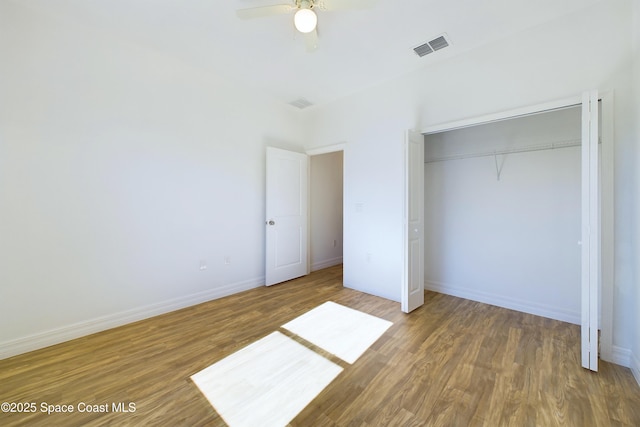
(271, 222)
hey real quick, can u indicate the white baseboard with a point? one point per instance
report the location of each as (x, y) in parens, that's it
(91, 326)
(505, 302)
(621, 356)
(635, 366)
(319, 265)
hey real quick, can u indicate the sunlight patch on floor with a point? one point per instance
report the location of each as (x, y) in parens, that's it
(269, 382)
(342, 331)
(266, 383)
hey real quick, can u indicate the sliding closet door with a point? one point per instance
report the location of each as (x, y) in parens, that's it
(590, 230)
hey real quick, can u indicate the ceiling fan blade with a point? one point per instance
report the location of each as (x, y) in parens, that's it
(346, 4)
(260, 12)
(311, 40)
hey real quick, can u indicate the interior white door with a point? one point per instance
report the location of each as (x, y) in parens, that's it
(413, 269)
(286, 209)
(590, 230)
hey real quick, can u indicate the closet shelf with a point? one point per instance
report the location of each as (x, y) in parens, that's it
(524, 149)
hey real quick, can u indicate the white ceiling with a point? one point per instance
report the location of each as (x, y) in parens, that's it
(357, 48)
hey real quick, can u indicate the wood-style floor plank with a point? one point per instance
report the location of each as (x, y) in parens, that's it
(452, 362)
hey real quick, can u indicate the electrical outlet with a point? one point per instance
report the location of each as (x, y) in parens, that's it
(227, 260)
(203, 264)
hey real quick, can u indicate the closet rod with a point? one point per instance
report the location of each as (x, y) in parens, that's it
(540, 147)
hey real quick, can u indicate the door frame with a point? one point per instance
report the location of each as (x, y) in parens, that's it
(605, 320)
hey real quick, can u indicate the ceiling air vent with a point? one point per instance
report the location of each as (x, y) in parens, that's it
(301, 103)
(431, 46)
(423, 49)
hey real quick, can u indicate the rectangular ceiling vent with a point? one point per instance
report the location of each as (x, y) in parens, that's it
(431, 46)
(301, 103)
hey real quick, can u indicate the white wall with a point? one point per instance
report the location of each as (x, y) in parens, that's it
(120, 170)
(590, 49)
(635, 355)
(510, 241)
(325, 201)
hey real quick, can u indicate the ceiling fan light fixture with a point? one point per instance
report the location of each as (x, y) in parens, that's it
(305, 20)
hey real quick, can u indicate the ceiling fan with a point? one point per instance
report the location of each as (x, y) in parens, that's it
(305, 18)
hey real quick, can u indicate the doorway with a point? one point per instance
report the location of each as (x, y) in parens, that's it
(326, 207)
(304, 206)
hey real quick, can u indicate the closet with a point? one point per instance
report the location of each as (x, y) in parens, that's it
(503, 213)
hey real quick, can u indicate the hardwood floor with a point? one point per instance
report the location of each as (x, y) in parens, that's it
(452, 362)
